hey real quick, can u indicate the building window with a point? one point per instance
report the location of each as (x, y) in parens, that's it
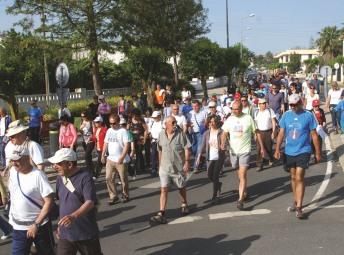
(309, 56)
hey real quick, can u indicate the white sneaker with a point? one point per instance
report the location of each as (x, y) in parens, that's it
(5, 237)
(94, 178)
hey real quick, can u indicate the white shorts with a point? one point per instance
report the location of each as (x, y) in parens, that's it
(240, 160)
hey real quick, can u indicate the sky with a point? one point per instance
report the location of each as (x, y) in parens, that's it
(277, 25)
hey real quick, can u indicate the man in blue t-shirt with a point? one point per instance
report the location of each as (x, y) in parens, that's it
(298, 127)
(35, 121)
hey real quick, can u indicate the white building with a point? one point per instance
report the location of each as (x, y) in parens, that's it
(284, 57)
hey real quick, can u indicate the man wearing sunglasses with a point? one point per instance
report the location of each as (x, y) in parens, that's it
(298, 127)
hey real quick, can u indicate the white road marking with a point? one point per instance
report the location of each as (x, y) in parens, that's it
(153, 185)
(325, 207)
(224, 215)
(326, 181)
(185, 219)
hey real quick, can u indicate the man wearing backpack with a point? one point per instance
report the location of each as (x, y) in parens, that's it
(265, 119)
(77, 229)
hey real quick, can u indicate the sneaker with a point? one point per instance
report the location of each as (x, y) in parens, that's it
(158, 218)
(113, 201)
(292, 208)
(271, 163)
(184, 209)
(5, 236)
(94, 178)
(299, 213)
(240, 205)
(119, 183)
(133, 178)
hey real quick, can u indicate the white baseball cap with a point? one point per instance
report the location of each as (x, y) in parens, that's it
(156, 114)
(294, 99)
(122, 121)
(212, 104)
(98, 119)
(18, 153)
(101, 97)
(64, 154)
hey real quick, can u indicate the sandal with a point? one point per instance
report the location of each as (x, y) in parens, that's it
(184, 209)
(159, 218)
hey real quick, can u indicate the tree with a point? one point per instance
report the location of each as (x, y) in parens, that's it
(199, 59)
(311, 64)
(87, 24)
(164, 24)
(147, 65)
(294, 63)
(329, 43)
(21, 65)
(228, 59)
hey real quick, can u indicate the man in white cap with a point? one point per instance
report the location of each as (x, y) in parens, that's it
(265, 119)
(116, 144)
(31, 200)
(17, 133)
(77, 229)
(154, 130)
(215, 110)
(298, 127)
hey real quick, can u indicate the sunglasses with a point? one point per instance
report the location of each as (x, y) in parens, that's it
(276, 88)
(211, 106)
(243, 100)
(112, 123)
(292, 105)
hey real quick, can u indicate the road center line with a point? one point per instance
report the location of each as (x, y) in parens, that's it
(326, 181)
(185, 219)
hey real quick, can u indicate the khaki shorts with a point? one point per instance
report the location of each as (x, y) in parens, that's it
(178, 180)
(240, 160)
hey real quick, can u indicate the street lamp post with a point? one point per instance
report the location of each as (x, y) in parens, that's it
(227, 27)
(242, 31)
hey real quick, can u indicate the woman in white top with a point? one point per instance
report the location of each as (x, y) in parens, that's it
(215, 156)
(333, 98)
(310, 97)
(86, 129)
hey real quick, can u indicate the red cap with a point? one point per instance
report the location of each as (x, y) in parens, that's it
(237, 96)
(315, 102)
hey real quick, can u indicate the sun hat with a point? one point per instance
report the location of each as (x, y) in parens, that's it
(16, 127)
(64, 154)
(261, 100)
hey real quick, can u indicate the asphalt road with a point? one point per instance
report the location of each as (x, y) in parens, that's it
(264, 227)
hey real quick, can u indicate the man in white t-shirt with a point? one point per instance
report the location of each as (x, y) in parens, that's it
(265, 119)
(31, 200)
(18, 138)
(240, 126)
(116, 143)
(181, 120)
(186, 94)
(154, 131)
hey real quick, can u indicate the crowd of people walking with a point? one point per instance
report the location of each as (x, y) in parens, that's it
(180, 136)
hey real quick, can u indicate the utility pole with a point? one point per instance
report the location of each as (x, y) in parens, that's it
(46, 74)
(227, 27)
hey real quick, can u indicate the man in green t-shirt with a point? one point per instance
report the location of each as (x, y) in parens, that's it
(240, 127)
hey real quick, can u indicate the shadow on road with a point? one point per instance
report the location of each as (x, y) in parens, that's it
(216, 245)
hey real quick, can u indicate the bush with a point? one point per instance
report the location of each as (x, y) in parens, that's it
(75, 107)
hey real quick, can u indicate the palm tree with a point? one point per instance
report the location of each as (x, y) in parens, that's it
(329, 43)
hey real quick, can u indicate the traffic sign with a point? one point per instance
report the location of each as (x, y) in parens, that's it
(336, 66)
(62, 74)
(325, 71)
